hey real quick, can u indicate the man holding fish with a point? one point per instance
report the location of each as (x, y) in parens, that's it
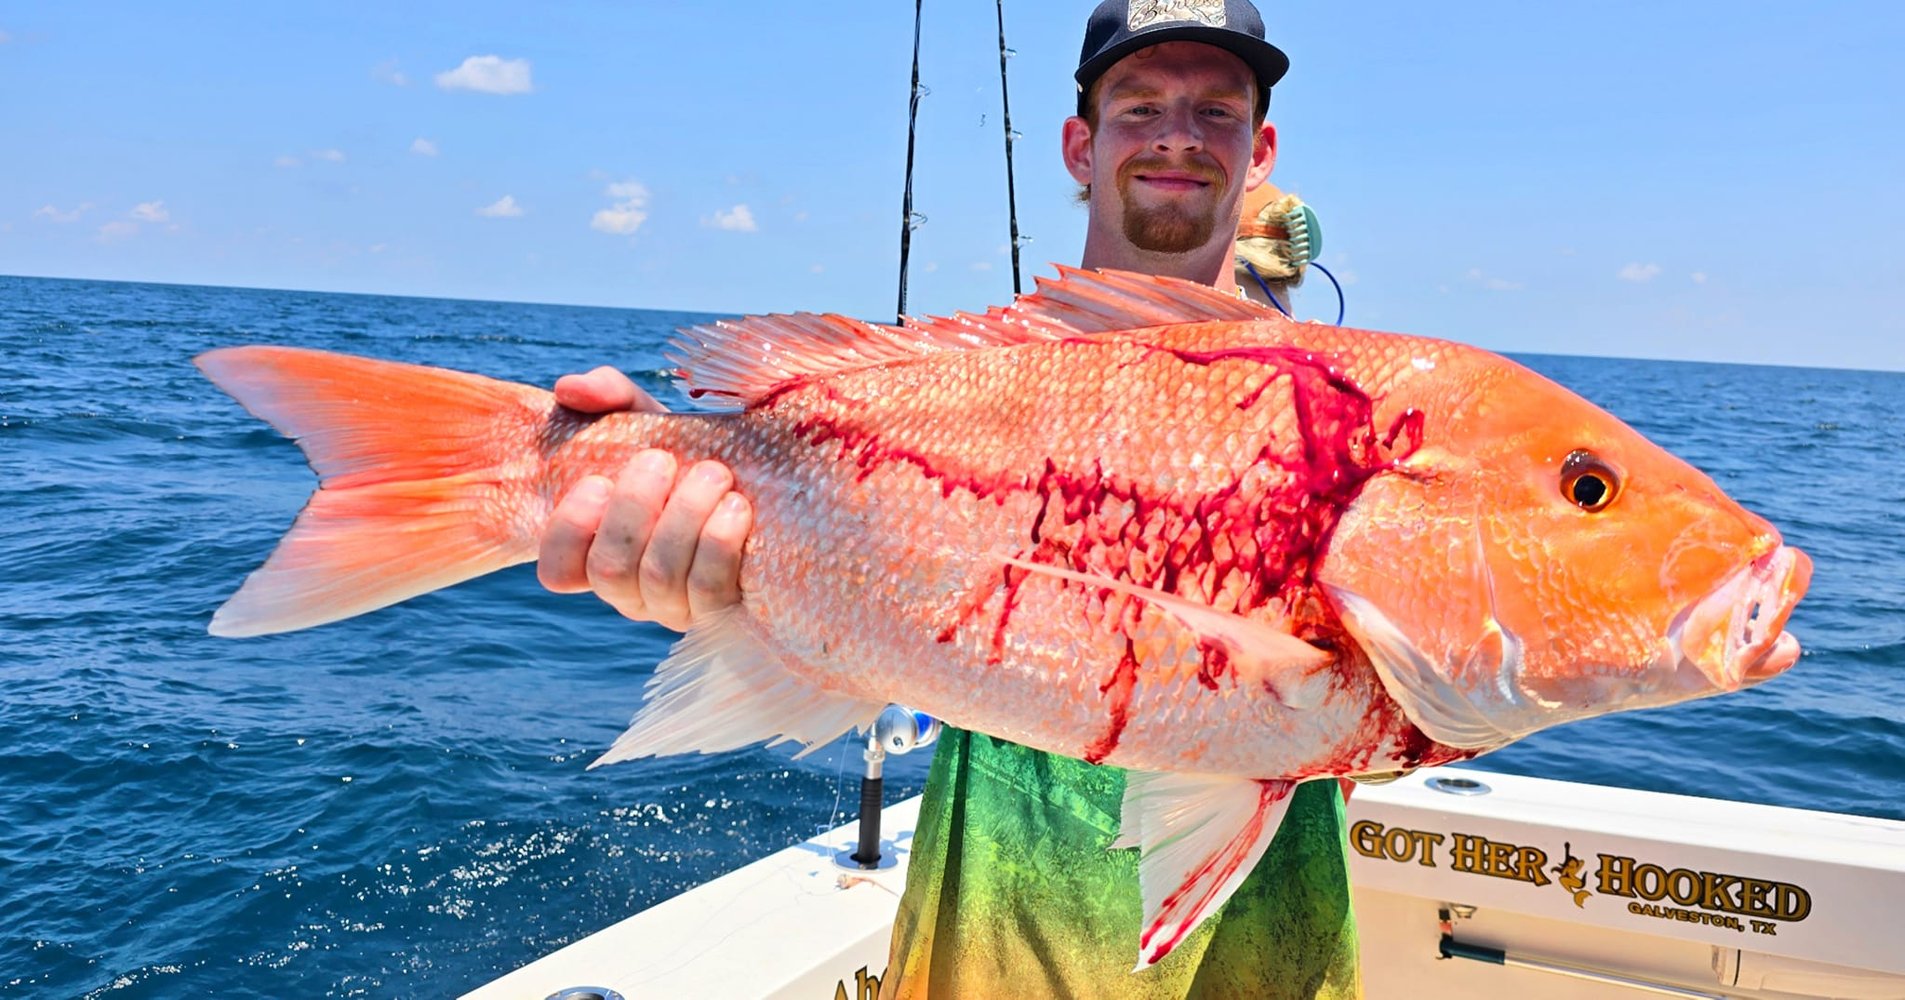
(1130, 520)
(1014, 882)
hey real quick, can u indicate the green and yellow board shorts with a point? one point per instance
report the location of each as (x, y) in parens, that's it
(1015, 893)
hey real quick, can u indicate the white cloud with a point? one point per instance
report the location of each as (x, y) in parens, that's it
(1639, 272)
(931, 266)
(816, 268)
(151, 211)
(1699, 277)
(119, 229)
(736, 220)
(982, 265)
(286, 161)
(328, 155)
(423, 147)
(800, 216)
(488, 75)
(1491, 282)
(629, 211)
(502, 208)
(387, 72)
(377, 247)
(55, 215)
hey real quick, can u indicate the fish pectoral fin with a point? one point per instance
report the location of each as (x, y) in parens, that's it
(1198, 836)
(1454, 710)
(1283, 663)
(722, 688)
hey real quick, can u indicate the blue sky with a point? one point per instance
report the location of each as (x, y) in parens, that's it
(1719, 181)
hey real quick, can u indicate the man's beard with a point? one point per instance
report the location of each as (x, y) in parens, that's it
(1171, 227)
(1168, 228)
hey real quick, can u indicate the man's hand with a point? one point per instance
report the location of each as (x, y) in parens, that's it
(657, 543)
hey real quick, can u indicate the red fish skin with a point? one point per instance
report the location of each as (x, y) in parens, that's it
(1209, 461)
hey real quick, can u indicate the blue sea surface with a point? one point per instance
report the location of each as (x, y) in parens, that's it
(398, 806)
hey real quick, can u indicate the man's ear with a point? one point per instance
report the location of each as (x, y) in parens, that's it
(1075, 144)
(1263, 157)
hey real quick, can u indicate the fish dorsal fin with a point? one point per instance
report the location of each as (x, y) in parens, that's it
(1198, 837)
(1102, 301)
(743, 360)
(1079, 301)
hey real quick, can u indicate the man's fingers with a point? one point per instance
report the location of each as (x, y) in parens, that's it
(628, 521)
(604, 390)
(714, 582)
(666, 565)
(565, 543)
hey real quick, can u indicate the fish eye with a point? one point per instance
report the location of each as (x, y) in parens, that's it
(1588, 482)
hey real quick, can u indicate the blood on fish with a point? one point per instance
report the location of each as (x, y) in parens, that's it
(1118, 687)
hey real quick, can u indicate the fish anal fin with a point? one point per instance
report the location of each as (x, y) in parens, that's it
(1281, 662)
(722, 688)
(1198, 838)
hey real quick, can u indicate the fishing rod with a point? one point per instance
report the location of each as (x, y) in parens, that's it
(908, 221)
(1005, 102)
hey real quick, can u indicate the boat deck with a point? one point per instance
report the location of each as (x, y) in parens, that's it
(1585, 892)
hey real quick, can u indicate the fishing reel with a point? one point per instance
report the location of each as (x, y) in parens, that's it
(898, 730)
(901, 730)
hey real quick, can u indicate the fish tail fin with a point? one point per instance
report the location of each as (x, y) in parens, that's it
(420, 481)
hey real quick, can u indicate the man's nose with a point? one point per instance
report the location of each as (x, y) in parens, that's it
(1180, 130)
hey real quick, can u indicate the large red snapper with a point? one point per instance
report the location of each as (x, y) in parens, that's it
(1128, 519)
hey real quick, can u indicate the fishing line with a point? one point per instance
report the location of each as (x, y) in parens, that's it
(839, 782)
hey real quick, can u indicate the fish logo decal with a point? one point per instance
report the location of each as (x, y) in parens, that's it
(1568, 874)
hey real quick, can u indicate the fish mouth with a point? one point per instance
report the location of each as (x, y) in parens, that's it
(1736, 634)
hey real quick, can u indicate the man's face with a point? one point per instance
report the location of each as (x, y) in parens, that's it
(1174, 147)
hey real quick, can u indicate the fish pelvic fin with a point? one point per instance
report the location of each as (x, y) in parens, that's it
(407, 461)
(1198, 838)
(1285, 665)
(722, 688)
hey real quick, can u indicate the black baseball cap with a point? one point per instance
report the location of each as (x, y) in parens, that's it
(1120, 27)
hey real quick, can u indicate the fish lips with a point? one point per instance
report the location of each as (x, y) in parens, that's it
(1735, 635)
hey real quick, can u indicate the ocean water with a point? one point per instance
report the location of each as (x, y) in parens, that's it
(396, 806)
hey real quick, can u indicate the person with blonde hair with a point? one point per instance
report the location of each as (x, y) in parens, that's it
(1276, 240)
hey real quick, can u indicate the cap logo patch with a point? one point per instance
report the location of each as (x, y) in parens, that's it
(1145, 13)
